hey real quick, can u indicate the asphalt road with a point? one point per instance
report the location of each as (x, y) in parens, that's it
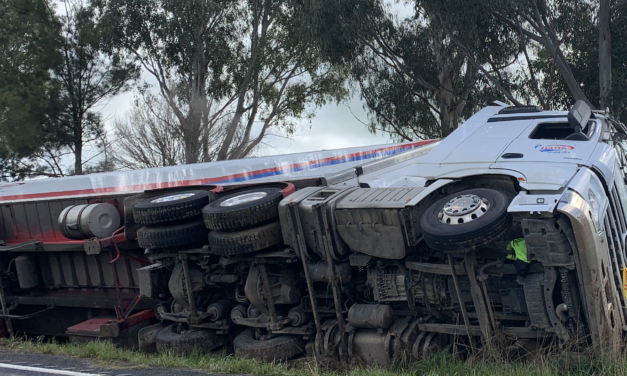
(27, 364)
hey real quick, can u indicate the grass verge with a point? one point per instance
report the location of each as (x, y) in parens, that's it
(441, 364)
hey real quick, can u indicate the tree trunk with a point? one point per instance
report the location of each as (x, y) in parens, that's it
(448, 120)
(605, 54)
(189, 142)
(193, 125)
(564, 68)
(78, 154)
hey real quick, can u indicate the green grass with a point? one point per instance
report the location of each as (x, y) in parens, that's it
(442, 364)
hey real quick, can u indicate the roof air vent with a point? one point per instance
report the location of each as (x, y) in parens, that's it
(520, 109)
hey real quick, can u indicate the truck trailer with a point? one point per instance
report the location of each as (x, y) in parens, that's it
(513, 228)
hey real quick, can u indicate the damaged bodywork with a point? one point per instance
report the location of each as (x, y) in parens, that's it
(513, 227)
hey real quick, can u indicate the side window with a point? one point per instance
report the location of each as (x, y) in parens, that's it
(559, 131)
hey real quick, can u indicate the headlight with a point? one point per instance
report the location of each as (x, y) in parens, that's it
(596, 210)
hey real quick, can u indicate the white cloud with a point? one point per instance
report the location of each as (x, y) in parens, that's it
(334, 127)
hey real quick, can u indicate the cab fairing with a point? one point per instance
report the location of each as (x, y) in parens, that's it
(544, 172)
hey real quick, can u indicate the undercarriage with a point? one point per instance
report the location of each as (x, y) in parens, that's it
(354, 278)
(341, 272)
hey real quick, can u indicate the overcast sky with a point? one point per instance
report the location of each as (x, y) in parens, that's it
(334, 127)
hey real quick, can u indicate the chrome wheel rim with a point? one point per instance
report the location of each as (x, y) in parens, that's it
(463, 209)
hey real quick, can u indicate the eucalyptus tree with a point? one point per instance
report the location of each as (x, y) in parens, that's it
(230, 71)
(569, 49)
(414, 79)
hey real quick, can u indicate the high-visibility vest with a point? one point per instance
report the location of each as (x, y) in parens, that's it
(520, 249)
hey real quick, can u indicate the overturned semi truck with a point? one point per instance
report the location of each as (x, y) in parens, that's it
(366, 252)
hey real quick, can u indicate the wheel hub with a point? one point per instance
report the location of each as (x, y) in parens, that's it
(244, 198)
(179, 196)
(463, 209)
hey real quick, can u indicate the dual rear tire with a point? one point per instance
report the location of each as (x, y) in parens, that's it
(240, 223)
(235, 224)
(172, 220)
(244, 222)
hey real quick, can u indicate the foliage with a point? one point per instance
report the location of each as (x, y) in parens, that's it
(54, 76)
(415, 80)
(87, 77)
(558, 48)
(618, 92)
(229, 70)
(420, 74)
(27, 90)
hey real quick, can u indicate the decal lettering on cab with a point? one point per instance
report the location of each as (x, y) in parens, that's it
(555, 149)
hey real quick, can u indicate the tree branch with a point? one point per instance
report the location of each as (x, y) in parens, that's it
(618, 5)
(534, 81)
(496, 82)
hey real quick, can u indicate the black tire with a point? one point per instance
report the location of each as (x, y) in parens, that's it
(248, 214)
(464, 237)
(169, 341)
(182, 234)
(149, 212)
(247, 241)
(279, 348)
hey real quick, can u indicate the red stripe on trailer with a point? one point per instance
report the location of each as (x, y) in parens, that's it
(160, 185)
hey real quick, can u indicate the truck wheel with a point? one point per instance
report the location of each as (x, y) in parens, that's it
(283, 347)
(183, 234)
(243, 209)
(246, 241)
(170, 208)
(466, 220)
(168, 340)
